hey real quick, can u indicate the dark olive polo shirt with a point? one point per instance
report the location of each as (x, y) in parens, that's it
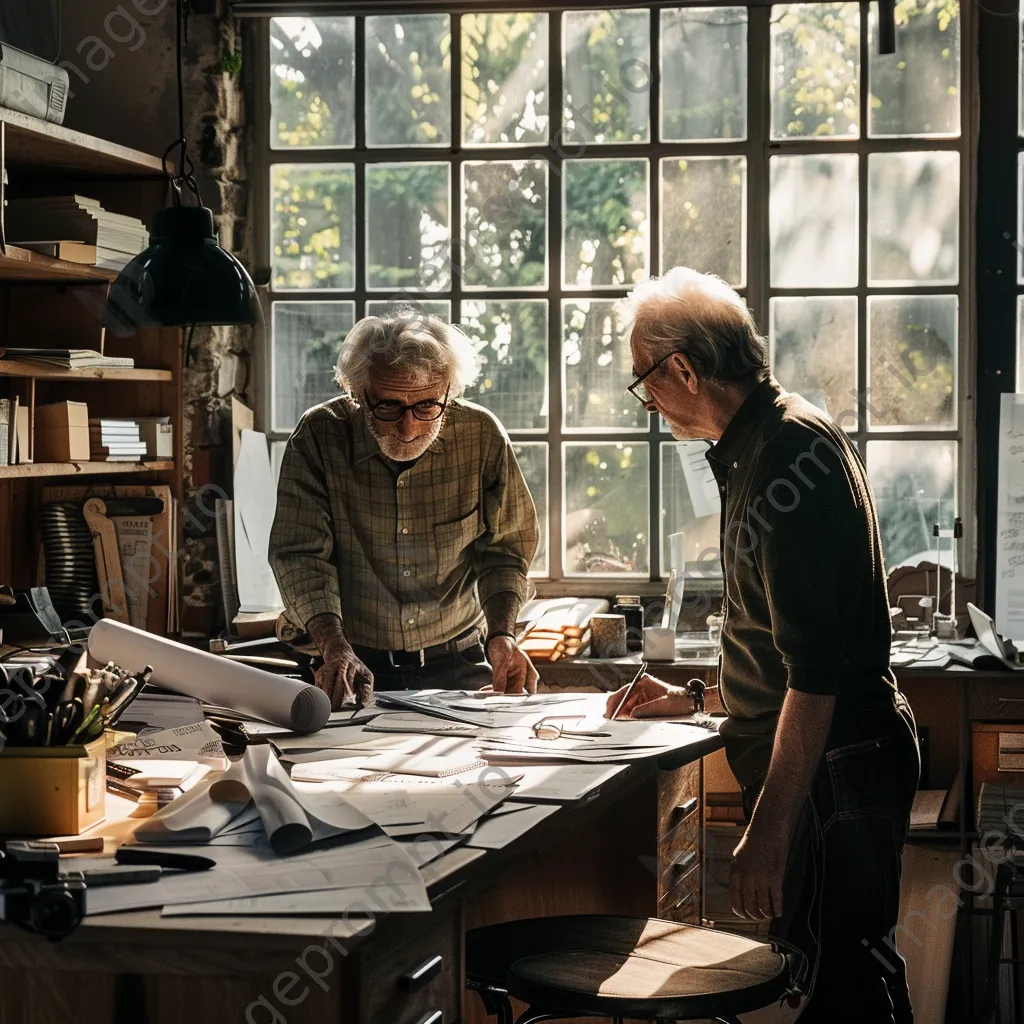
(805, 596)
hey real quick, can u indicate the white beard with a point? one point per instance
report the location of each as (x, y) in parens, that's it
(392, 448)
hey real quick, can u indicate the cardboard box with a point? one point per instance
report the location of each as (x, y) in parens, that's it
(62, 432)
(52, 791)
(159, 438)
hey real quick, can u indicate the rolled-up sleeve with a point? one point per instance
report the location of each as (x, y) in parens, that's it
(302, 538)
(505, 551)
(810, 554)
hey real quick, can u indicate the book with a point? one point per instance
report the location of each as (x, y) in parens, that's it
(69, 358)
(12, 447)
(5, 419)
(72, 252)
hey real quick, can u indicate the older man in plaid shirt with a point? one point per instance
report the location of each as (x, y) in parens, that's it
(404, 527)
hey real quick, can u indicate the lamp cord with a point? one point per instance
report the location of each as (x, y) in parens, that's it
(188, 344)
(180, 13)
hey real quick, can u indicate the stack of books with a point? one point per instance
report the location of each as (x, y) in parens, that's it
(152, 783)
(68, 358)
(115, 441)
(724, 807)
(558, 627)
(47, 221)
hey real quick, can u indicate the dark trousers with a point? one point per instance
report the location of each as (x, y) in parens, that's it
(464, 670)
(842, 888)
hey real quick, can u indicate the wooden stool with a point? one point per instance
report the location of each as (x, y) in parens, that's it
(626, 967)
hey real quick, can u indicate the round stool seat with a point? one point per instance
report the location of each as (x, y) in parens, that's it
(627, 967)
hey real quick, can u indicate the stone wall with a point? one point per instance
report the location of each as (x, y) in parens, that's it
(121, 61)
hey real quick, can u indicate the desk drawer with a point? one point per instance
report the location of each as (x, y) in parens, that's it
(415, 980)
(677, 791)
(682, 902)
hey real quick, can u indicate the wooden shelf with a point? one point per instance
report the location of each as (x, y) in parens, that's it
(46, 469)
(17, 368)
(54, 151)
(25, 265)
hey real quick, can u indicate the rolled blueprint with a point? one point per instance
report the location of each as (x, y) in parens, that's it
(247, 690)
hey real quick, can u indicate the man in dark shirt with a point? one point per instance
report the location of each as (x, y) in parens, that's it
(818, 735)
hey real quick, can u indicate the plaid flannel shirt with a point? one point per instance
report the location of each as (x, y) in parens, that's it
(405, 558)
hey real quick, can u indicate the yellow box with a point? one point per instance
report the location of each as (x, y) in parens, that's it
(55, 791)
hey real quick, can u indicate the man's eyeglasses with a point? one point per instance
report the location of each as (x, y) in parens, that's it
(391, 411)
(638, 389)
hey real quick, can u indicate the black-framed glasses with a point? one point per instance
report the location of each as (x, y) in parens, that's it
(638, 389)
(390, 411)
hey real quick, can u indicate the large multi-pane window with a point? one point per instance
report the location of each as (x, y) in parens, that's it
(519, 172)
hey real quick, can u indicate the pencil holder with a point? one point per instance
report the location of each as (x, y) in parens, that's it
(52, 791)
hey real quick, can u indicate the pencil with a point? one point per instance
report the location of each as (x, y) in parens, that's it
(629, 689)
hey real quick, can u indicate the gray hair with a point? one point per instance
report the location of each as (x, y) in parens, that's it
(422, 347)
(702, 317)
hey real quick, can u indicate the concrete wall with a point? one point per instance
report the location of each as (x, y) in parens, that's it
(121, 60)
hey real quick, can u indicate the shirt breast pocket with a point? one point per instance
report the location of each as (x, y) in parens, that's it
(454, 544)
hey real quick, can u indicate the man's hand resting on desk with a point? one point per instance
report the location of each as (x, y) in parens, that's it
(512, 671)
(651, 698)
(340, 672)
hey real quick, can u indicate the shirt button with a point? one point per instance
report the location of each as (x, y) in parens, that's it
(735, 465)
(412, 622)
(406, 573)
(401, 483)
(405, 529)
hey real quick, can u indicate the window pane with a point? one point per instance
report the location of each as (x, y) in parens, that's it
(312, 226)
(408, 80)
(690, 504)
(815, 71)
(913, 218)
(703, 215)
(912, 356)
(1020, 344)
(532, 457)
(312, 82)
(605, 211)
(606, 75)
(307, 337)
(598, 368)
(504, 218)
(814, 352)
(914, 483)
(411, 309)
(407, 234)
(504, 79)
(1020, 218)
(916, 90)
(607, 505)
(813, 210)
(703, 73)
(512, 339)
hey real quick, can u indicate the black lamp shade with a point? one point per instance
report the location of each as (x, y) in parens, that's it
(183, 278)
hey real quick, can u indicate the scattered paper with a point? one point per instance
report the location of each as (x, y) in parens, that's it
(196, 742)
(497, 831)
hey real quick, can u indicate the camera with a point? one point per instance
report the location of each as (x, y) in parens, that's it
(35, 895)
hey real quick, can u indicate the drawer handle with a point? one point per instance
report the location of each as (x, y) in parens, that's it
(431, 1017)
(685, 809)
(683, 863)
(420, 976)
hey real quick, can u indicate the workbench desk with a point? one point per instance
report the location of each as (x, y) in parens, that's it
(631, 847)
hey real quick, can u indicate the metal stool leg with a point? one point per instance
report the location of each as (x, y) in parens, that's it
(496, 1004)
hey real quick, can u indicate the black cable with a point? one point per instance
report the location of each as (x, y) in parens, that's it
(188, 344)
(179, 11)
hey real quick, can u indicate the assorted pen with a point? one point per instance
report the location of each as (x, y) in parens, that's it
(51, 710)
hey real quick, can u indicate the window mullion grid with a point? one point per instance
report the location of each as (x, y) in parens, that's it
(862, 381)
(654, 256)
(758, 269)
(359, 200)
(556, 386)
(458, 249)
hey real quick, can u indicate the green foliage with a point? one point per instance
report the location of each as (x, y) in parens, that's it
(231, 63)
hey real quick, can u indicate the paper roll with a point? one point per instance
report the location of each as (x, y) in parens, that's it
(250, 691)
